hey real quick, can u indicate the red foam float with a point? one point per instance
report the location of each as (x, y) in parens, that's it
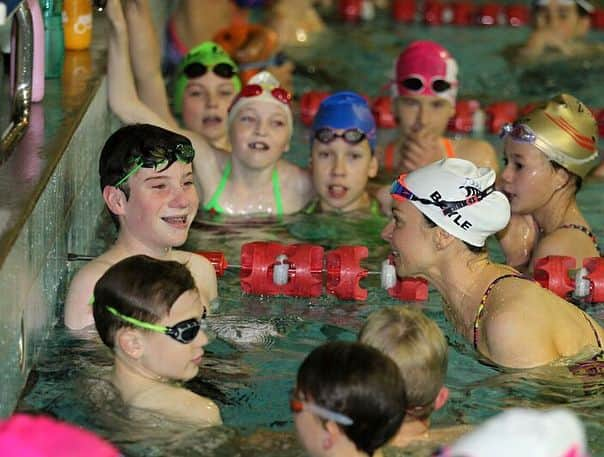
(499, 114)
(463, 119)
(350, 10)
(403, 10)
(518, 15)
(382, 112)
(305, 273)
(309, 105)
(595, 267)
(552, 273)
(344, 272)
(410, 289)
(217, 259)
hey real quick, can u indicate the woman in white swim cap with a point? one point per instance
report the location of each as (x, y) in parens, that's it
(548, 152)
(442, 216)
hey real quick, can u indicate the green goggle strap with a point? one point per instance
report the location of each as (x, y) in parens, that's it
(136, 322)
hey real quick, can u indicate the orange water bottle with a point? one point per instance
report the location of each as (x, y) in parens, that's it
(77, 24)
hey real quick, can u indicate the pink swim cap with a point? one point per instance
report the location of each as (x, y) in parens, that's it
(39, 436)
(426, 68)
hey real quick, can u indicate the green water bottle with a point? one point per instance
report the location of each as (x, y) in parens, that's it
(53, 31)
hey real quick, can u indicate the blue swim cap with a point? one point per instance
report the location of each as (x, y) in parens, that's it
(346, 110)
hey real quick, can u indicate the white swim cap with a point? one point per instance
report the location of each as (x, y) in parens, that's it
(263, 87)
(524, 432)
(457, 196)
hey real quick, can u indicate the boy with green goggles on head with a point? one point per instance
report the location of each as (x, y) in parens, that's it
(150, 313)
(147, 183)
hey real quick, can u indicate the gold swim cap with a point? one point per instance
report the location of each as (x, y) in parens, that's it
(566, 132)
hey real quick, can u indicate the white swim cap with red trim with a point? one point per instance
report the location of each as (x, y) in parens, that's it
(426, 68)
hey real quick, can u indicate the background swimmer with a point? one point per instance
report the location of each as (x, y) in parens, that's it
(349, 400)
(205, 83)
(148, 186)
(442, 215)
(150, 314)
(548, 153)
(342, 154)
(254, 179)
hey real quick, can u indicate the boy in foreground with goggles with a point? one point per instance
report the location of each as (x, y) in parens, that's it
(253, 179)
(342, 154)
(205, 83)
(151, 315)
(349, 400)
(419, 348)
(424, 91)
(148, 186)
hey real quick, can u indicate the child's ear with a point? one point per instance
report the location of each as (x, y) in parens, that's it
(331, 435)
(441, 398)
(373, 167)
(115, 199)
(130, 342)
(442, 239)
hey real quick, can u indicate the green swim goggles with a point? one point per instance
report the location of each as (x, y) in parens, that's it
(159, 159)
(184, 332)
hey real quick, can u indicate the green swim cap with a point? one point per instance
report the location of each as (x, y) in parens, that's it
(207, 56)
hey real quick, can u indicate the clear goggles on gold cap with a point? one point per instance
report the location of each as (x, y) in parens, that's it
(524, 134)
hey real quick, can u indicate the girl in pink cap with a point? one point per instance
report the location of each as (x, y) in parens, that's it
(424, 92)
(253, 179)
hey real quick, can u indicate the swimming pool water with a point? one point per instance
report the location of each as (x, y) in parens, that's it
(250, 365)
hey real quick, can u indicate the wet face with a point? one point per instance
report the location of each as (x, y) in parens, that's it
(168, 358)
(206, 101)
(410, 239)
(161, 206)
(528, 177)
(340, 172)
(564, 20)
(259, 134)
(423, 113)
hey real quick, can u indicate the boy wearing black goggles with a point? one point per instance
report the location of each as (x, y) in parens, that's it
(150, 314)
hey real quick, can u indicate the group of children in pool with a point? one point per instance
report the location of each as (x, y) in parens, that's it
(149, 300)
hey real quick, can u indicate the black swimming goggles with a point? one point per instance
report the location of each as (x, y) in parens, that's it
(417, 84)
(351, 136)
(184, 332)
(400, 192)
(159, 159)
(197, 69)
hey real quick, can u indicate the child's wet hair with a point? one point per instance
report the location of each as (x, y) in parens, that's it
(127, 143)
(360, 382)
(417, 346)
(140, 287)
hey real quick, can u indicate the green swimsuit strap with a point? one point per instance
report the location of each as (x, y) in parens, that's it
(277, 192)
(213, 203)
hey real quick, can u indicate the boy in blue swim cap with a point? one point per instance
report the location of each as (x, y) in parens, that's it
(342, 153)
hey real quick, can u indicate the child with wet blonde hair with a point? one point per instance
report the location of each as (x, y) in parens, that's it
(419, 349)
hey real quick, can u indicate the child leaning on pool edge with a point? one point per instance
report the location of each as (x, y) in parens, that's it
(151, 315)
(419, 348)
(349, 400)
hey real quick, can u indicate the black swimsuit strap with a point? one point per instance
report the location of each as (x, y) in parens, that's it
(584, 230)
(593, 330)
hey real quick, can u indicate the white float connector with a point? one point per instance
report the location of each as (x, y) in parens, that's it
(582, 285)
(281, 270)
(388, 275)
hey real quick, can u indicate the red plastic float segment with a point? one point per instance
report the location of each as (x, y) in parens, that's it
(305, 269)
(595, 267)
(597, 18)
(491, 14)
(403, 10)
(462, 13)
(382, 112)
(433, 12)
(463, 119)
(518, 15)
(499, 114)
(309, 105)
(344, 272)
(350, 10)
(410, 289)
(552, 273)
(217, 259)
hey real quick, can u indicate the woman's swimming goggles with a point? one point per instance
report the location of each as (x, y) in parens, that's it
(518, 132)
(197, 69)
(184, 332)
(400, 192)
(253, 90)
(351, 136)
(159, 159)
(297, 406)
(417, 84)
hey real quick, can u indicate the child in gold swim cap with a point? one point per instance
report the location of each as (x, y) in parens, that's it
(548, 152)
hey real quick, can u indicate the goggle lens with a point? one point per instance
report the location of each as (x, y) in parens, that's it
(415, 84)
(197, 69)
(518, 132)
(253, 90)
(185, 331)
(351, 136)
